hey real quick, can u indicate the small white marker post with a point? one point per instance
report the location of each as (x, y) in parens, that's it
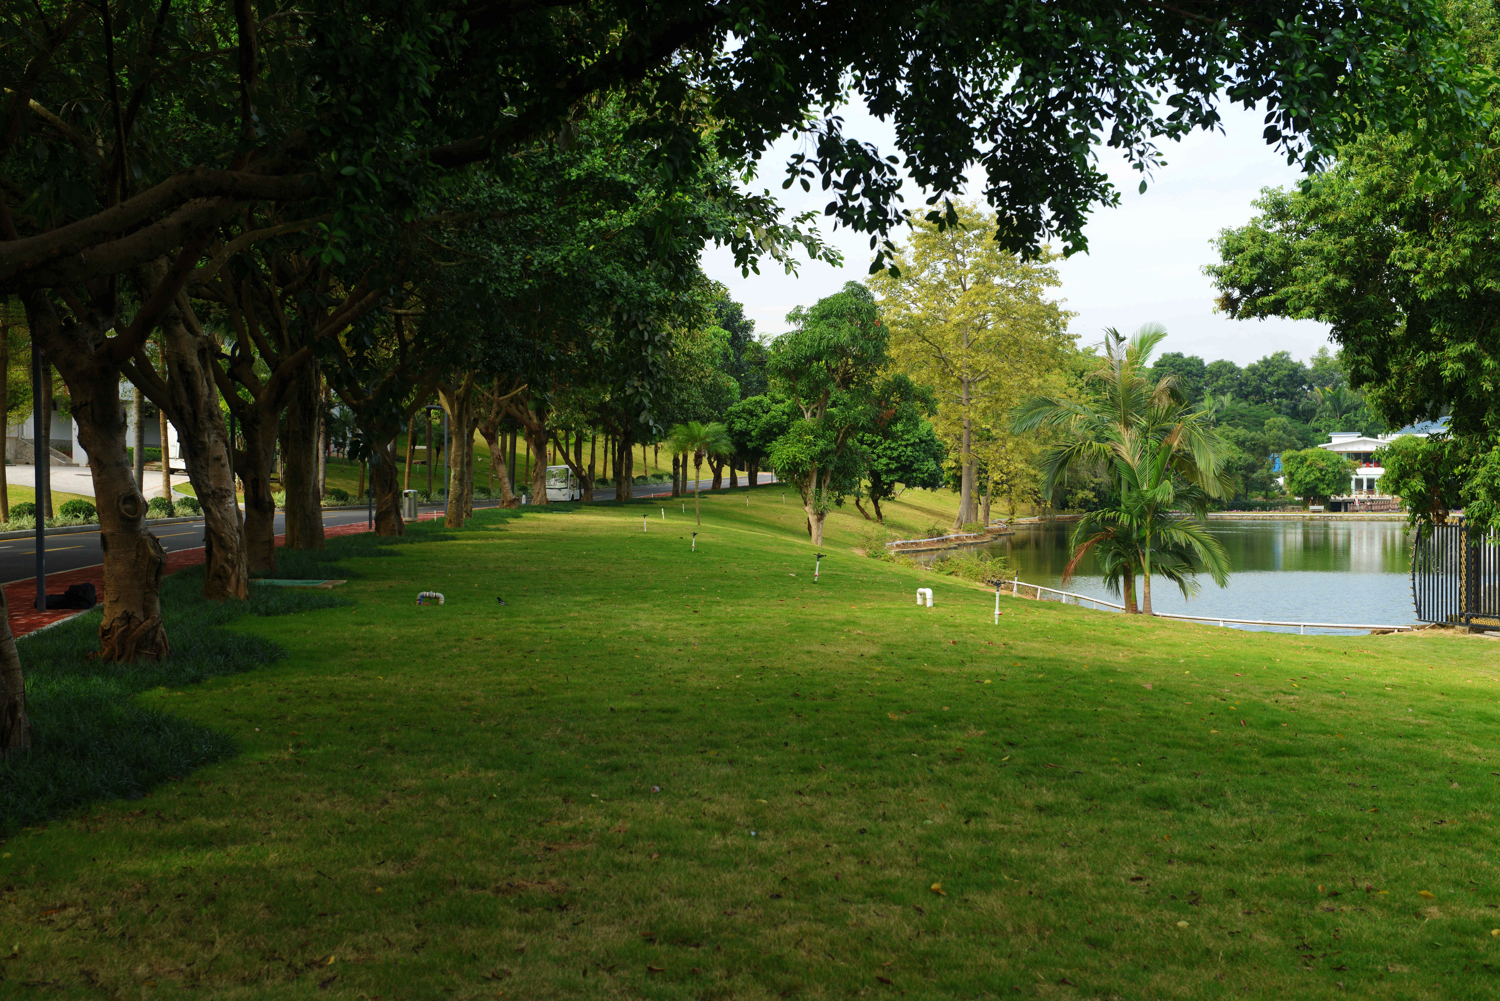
(817, 566)
(695, 542)
(664, 512)
(643, 522)
(997, 602)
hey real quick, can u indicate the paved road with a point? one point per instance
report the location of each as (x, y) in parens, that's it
(81, 549)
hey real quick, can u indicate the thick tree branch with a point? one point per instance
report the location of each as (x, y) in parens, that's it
(84, 249)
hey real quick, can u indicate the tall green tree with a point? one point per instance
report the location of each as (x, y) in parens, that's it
(1316, 473)
(699, 440)
(827, 367)
(976, 323)
(1159, 454)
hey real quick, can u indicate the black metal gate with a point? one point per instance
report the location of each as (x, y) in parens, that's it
(1455, 576)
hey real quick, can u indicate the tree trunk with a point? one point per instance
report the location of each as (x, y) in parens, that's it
(624, 468)
(257, 464)
(299, 445)
(1146, 591)
(966, 468)
(458, 403)
(734, 480)
(1129, 591)
(15, 726)
(588, 485)
(814, 524)
(131, 628)
(989, 485)
(880, 517)
(203, 440)
(360, 493)
(323, 446)
(138, 450)
(163, 427)
(676, 487)
(496, 440)
(536, 444)
(385, 482)
(861, 508)
(717, 466)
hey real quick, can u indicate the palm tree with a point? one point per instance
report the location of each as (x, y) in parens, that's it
(1157, 454)
(702, 440)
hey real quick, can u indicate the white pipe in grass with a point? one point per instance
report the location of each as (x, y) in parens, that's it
(643, 523)
(924, 591)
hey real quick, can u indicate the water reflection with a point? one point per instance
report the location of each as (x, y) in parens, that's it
(1296, 570)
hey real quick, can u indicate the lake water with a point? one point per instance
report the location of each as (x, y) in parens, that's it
(1295, 570)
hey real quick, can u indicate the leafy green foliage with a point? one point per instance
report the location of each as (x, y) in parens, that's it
(78, 508)
(755, 423)
(1161, 457)
(1431, 476)
(1317, 473)
(901, 446)
(827, 367)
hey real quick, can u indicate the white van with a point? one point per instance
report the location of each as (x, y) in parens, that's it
(562, 485)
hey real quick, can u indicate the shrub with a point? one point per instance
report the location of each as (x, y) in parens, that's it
(79, 508)
(873, 539)
(973, 566)
(160, 507)
(483, 493)
(187, 505)
(279, 498)
(25, 509)
(335, 495)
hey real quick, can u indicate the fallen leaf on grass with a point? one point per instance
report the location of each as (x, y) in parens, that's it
(1424, 893)
(884, 980)
(656, 969)
(1182, 924)
(938, 889)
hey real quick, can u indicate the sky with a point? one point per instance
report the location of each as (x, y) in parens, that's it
(1144, 262)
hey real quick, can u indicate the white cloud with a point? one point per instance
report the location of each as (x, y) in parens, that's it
(1145, 257)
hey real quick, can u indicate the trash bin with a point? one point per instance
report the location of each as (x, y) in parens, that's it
(409, 505)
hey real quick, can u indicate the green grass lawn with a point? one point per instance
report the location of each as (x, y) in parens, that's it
(700, 775)
(17, 494)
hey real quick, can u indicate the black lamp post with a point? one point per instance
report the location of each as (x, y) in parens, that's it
(447, 487)
(39, 456)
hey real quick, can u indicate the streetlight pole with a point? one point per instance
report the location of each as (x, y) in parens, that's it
(39, 457)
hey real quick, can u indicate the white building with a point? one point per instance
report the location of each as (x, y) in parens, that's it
(1364, 483)
(63, 436)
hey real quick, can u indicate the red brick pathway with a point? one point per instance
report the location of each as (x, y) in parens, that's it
(20, 596)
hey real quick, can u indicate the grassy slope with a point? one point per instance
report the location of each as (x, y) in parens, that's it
(465, 797)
